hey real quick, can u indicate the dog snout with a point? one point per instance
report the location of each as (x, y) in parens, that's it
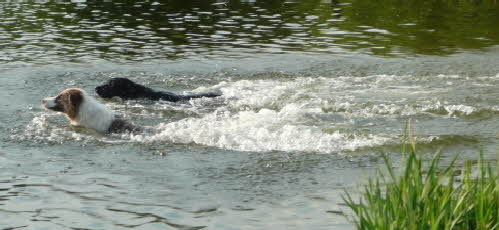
(98, 90)
(103, 91)
(44, 102)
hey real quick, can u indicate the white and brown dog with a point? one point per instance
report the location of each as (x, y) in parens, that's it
(83, 110)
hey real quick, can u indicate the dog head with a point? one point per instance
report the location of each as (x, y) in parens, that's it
(68, 102)
(81, 109)
(119, 87)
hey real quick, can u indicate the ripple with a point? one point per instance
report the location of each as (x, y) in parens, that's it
(325, 28)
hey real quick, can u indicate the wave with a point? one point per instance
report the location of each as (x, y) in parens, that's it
(303, 114)
(265, 130)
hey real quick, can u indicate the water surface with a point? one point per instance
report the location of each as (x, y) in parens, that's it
(313, 92)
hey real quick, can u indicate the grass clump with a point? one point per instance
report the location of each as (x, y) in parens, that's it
(429, 196)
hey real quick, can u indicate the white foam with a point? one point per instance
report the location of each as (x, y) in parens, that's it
(271, 115)
(46, 127)
(302, 114)
(262, 131)
(465, 109)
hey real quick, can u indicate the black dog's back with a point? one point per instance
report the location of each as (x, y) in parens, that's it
(188, 97)
(127, 89)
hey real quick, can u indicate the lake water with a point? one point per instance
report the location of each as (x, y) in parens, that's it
(313, 92)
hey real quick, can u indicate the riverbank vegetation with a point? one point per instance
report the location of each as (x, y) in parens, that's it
(427, 195)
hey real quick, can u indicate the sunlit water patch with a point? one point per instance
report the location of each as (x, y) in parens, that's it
(40, 32)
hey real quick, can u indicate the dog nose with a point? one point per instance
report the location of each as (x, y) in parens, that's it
(44, 101)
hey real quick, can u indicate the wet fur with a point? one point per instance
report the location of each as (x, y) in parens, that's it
(83, 110)
(127, 89)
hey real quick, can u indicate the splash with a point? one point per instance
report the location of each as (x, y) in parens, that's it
(261, 131)
(270, 115)
(47, 128)
(301, 114)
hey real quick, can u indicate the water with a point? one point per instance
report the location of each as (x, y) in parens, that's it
(313, 92)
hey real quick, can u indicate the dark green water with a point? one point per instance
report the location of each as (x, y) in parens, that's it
(54, 31)
(313, 91)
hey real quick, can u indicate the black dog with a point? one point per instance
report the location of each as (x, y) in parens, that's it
(127, 89)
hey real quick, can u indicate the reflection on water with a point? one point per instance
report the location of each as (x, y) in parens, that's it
(119, 30)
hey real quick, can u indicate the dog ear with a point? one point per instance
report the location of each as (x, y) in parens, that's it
(75, 99)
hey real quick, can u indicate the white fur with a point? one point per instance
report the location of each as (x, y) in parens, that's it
(93, 114)
(49, 102)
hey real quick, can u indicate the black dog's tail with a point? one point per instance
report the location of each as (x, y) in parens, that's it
(188, 97)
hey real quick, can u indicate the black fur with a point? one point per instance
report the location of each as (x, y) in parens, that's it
(122, 126)
(127, 89)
